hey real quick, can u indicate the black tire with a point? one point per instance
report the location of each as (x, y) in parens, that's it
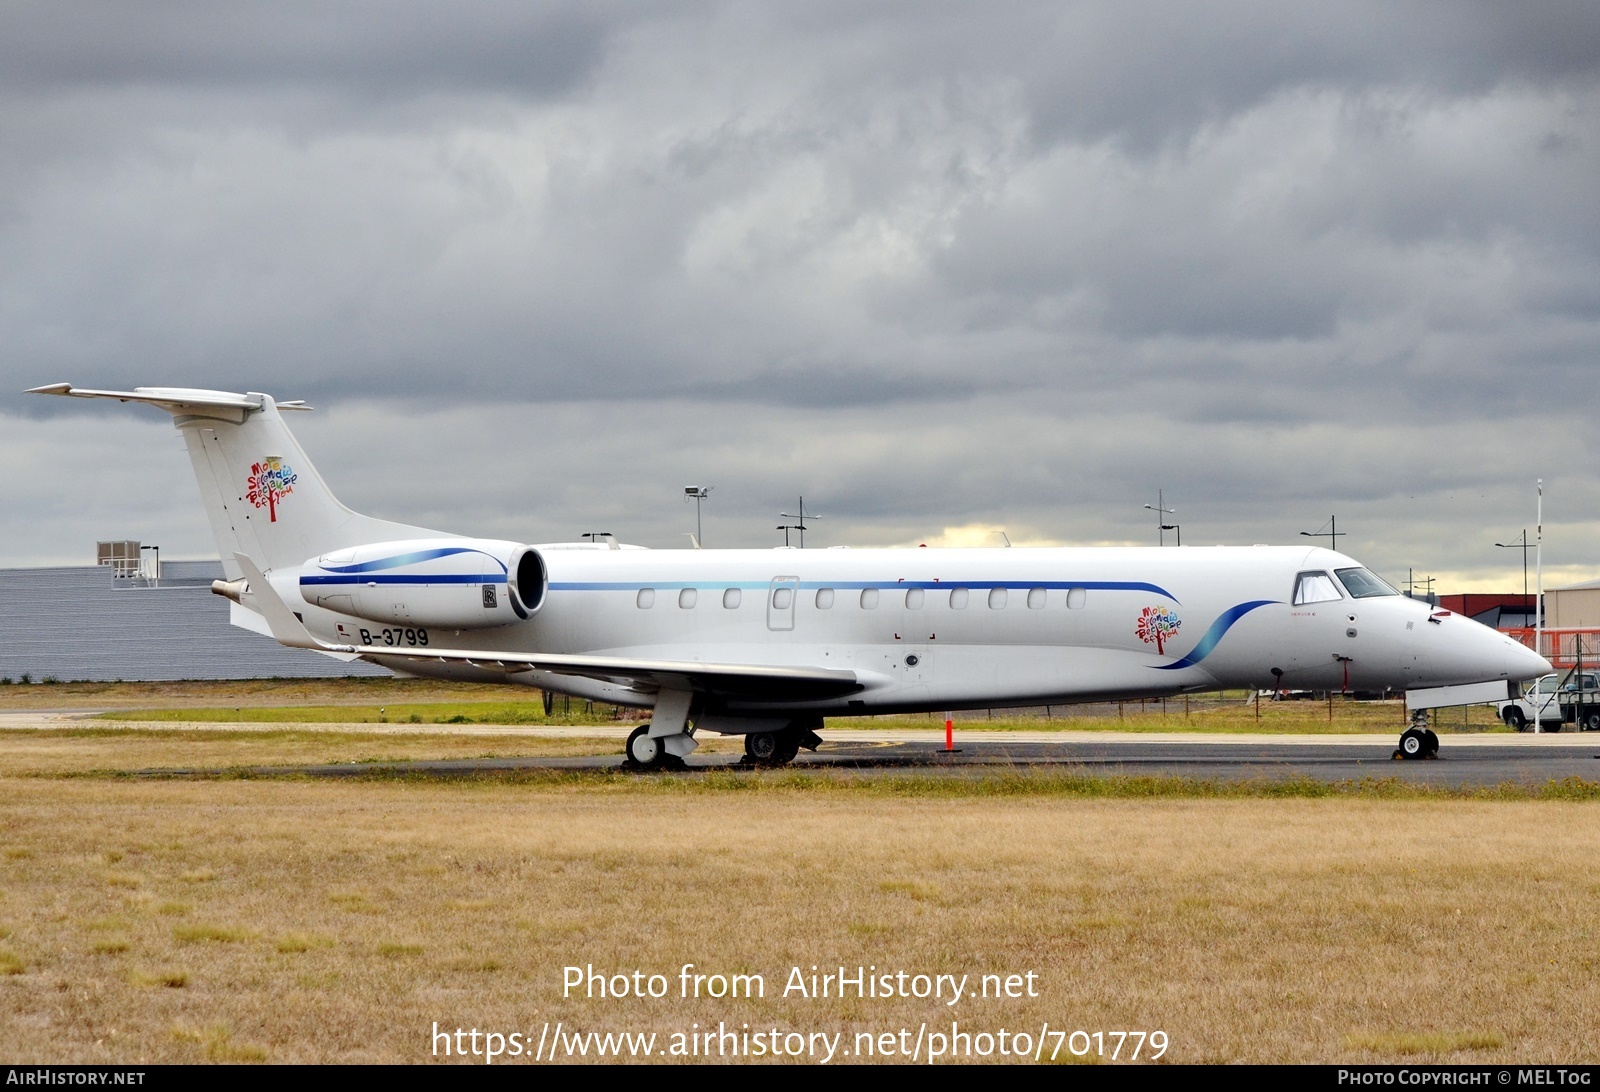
(760, 746)
(771, 748)
(643, 752)
(549, 704)
(1554, 726)
(1431, 740)
(788, 747)
(1514, 719)
(1591, 722)
(1413, 744)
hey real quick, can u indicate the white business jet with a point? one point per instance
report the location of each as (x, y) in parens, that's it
(768, 643)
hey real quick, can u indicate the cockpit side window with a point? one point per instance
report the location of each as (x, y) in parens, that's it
(1315, 588)
(1362, 584)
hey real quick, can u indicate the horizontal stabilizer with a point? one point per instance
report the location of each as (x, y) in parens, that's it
(175, 400)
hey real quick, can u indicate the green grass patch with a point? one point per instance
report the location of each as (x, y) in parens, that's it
(1008, 783)
(172, 978)
(480, 712)
(1210, 714)
(1390, 1044)
(221, 934)
(301, 942)
(219, 1044)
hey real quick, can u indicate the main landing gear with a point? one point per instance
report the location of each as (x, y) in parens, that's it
(768, 747)
(647, 752)
(778, 748)
(1418, 741)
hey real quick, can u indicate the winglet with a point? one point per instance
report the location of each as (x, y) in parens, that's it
(286, 628)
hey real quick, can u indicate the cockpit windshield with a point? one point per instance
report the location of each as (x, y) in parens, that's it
(1362, 584)
(1314, 588)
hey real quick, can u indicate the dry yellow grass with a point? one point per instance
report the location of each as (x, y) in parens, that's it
(98, 746)
(339, 921)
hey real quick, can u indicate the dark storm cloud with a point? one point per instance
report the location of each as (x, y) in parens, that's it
(938, 267)
(367, 47)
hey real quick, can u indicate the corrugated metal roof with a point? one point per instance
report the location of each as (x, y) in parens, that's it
(81, 623)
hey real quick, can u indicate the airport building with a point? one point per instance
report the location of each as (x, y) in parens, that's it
(135, 618)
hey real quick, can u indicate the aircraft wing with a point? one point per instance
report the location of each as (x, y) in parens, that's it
(746, 682)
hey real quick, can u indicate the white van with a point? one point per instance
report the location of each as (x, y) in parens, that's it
(1556, 700)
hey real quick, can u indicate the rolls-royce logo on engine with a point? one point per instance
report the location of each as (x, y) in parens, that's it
(270, 481)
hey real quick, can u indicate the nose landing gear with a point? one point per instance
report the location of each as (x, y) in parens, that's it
(1418, 741)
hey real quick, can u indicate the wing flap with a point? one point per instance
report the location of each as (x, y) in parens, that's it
(744, 682)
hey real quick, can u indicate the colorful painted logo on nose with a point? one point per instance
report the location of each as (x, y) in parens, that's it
(1157, 624)
(270, 481)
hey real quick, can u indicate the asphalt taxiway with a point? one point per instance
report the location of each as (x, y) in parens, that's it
(1464, 760)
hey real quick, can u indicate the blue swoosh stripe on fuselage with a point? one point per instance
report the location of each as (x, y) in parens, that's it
(1224, 622)
(858, 585)
(358, 580)
(405, 559)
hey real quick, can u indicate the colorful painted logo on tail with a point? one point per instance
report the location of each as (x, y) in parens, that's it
(270, 481)
(1157, 624)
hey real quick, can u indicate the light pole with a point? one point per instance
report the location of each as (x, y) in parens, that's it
(1524, 545)
(1332, 532)
(1159, 510)
(697, 493)
(799, 526)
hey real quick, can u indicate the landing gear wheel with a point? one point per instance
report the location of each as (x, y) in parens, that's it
(1515, 720)
(771, 748)
(1431, 743)
(645, 753)
(1413, 743)
(761, 747)
(788, 747)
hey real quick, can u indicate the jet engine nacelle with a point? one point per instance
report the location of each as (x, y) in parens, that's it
(455, 583)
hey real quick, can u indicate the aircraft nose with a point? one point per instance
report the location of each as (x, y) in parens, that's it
(1523, 663)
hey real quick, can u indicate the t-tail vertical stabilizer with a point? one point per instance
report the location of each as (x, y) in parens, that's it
(262, 495)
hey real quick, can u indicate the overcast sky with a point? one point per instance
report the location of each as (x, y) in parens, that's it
(941, 268)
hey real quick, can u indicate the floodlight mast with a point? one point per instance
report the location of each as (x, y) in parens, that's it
(1160, 509)
(1333, 532)
(1524, 545)
(697, 493)
(800, 526)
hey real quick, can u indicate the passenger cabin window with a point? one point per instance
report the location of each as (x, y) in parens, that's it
(1035, 598)
(1076, 598)
(824, 598)
(914, 598)
(782, 598)
(997, 598)
(646, 599)
(1362, 584)
(958, 598)
(731, 597)
(869, 598)
(1315, 588)
(686, 598)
